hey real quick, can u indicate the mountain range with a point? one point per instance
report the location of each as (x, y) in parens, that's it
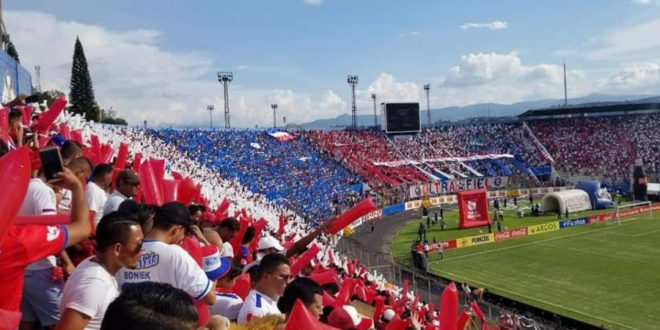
(481, 110)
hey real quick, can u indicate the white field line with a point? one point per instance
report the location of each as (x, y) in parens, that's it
(487, 285)
(534, 242)
(647, 233)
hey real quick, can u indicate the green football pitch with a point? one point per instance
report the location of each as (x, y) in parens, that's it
(605, 273)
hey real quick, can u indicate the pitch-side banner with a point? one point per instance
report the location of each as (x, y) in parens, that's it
(453, 186)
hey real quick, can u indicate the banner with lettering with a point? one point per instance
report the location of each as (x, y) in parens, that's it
(453, 186)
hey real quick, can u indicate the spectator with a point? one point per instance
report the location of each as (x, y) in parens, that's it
(92, 287)
(227, 230)
(163, 260)
(69, 151)
(127, 187)
(228, 304)
(151, 305)
(272, 276)
(309, 292)
(347, 318)
(95, 192)
(248, 238)
(82, 168)
(24, 244)
(43, 279)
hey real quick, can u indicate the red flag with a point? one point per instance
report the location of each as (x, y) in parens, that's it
(48, 117)
(328, 300)
(380, 307)
(170, 190)
(304, 259)
(301, 318)
(4, 125)
(326, 277)
(449, 307)
(77, 136)
(65, 131)
(26, 116)
(477, 310)
(462, 320)
(404, 293)
(150, 187)
(122, 156)
(280, 230)
(351, 215)
(15, 177)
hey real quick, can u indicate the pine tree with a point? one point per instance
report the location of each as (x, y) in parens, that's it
(11, 51)
(82, 91)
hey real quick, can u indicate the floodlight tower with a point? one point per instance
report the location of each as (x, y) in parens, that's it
(353, 80)
(225, 78)
(427, 88)
(274, 106)
(210, 108)
(373, 98)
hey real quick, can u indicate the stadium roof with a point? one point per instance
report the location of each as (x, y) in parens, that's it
(583, 110)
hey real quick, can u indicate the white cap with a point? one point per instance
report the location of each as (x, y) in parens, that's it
(388, 314)
(268, 242)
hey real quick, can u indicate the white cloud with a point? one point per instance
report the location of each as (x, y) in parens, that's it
(504, 78)
(638, 78)
(409, 34)
(142, 81)
(314, 2)
(493, 26)
(641, 2)
(630, 42)
(483, 68)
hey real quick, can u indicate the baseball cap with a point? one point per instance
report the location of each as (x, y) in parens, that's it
(347, 317)
(58, 140)
(388, 315)
(268, 242)
(214, 266)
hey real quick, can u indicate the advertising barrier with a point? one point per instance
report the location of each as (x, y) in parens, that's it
(509, 234)
(446, 245)
(573, 223)
(474, 240)
(394, 209)
(542, 228)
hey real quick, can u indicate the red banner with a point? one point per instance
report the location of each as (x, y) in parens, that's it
(473, 208)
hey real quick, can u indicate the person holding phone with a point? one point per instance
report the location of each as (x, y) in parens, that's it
(25, 244)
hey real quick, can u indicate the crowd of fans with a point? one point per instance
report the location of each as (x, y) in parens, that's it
(359, 150)
(601, 147)
(289, 172)
(132, 264)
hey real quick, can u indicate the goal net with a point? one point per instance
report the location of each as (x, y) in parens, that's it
(623, 211)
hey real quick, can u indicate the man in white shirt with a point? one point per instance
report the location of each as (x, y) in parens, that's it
(227, 229)
(163, 260)
(82, 168)
(127, 186)
(273, 274)
(92, 287)
(227, 304)
(40, 200)
(95, 192)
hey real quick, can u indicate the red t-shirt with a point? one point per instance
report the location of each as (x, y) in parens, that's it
(23, 245)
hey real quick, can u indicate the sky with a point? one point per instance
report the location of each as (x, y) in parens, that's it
(158, 60)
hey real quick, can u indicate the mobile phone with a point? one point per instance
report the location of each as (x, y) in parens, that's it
(32, 99)
(51, 162)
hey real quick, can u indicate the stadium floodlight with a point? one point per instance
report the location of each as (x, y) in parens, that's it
(210, 108)
(427, 88)
(225, 78)
(274, 106)
(353, 80)
(373, 98)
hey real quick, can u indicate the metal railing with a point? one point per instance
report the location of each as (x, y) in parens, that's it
(428, 286)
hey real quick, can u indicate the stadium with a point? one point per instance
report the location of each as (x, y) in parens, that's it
(543, 217)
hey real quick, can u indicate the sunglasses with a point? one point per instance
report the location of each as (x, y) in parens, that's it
(284, 277)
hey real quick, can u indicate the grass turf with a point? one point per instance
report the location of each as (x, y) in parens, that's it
(603, 274)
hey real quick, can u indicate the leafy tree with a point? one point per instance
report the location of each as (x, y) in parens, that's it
(11, 51)
(82, 92)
